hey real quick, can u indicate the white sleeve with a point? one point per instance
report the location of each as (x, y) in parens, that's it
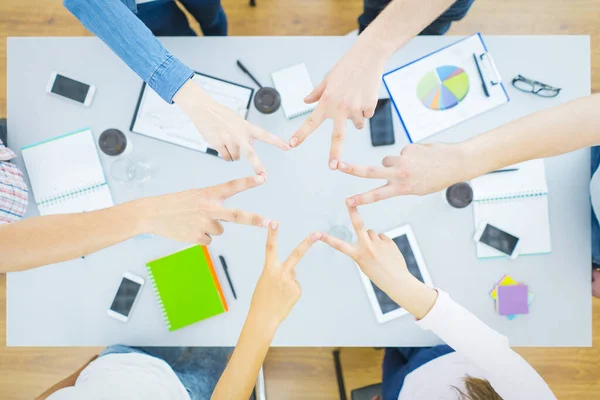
(508, 373)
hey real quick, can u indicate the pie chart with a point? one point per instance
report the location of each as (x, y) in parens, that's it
(443, 88)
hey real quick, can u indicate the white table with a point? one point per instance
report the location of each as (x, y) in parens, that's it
(65, 304)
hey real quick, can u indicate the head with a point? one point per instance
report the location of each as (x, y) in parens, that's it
(477, 389)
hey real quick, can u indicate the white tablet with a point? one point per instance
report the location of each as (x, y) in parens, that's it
(384, 307)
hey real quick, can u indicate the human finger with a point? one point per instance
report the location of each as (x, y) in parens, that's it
(337, 141)
(271, 247)
(372, 234)
(339, 245)
(372, 196)
(268, 137)
(231, 188)
(369, 172)
(316, 92)
(240, 217)
(253, 159)
(301, 250)
(310, 124)
(358, 224)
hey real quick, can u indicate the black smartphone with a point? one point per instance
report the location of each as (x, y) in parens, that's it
(382, 127)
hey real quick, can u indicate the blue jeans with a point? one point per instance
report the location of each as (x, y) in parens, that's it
(595, 162)
(164, 18)
(456, 12)
(400, 361)
(198, 368)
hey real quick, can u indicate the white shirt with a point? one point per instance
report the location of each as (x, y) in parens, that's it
(481, 352)
(130, 376)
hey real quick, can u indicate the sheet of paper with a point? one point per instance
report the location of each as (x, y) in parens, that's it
(169, 123)
(530, 179)
(527, 218)
(293, 84)
(419, 120)
(63, 165)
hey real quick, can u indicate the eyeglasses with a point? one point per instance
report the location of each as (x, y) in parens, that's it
(535, 87)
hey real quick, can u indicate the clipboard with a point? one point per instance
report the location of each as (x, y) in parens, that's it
(445, 88)
(155, 118)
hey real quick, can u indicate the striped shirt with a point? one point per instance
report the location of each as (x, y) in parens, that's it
(13, 190)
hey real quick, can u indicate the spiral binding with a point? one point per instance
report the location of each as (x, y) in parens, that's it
(61, 197)
(158, 298)
(529, 194)
(298, 114)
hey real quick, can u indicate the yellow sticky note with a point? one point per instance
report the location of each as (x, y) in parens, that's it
(505, 281)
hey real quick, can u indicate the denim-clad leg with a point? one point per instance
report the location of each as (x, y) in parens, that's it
(456, 12)
(198, 368)
(398, 362)
(209, 14)
(595, 162)
(164, 18)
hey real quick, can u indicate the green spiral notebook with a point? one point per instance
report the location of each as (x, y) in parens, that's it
(187, 287)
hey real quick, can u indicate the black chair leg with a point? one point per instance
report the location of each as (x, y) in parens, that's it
(252, 3)
(339, 375)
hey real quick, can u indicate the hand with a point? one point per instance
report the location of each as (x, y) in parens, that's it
(193, 216)
(376, 255)
(349, 91)
(419, 169)
(226, 131)
(277, 290)
(380, 259)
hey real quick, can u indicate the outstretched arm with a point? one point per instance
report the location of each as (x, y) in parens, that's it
(277, 291)
(350, 89)
(192, 216)
(380, 259)
(426, 168)
(121, 30)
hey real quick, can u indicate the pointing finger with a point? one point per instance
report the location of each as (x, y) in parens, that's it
(339, 245)
(337, 141)
(316, 93)
(373, 196)
(358, 224)
(231, 188)
(271, 248)
(310, 124)
(240, 217)
(253, 159)
(268, 137)
(301, 250)
(366, 172)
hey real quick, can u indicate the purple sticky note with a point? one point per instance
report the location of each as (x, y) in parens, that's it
(513, 299)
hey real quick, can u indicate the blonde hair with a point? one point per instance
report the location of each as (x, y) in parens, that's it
(477, 389)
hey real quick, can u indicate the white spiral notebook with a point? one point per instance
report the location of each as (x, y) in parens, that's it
(66, 175)
(517, 202)
(294, 84)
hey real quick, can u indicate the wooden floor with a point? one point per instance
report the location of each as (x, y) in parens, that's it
(308, 373)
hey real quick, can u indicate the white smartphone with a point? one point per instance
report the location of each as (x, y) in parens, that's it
(498, 239)
(60, 85)
(126, 296)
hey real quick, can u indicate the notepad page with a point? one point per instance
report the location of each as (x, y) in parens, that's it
(529, 179)
(293, 85)
(527, 218)
(63, 165)
(89, 201)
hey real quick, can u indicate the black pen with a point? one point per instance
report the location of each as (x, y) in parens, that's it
(503, 170)
(485, 89)
(224, 264)
(243, 68)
